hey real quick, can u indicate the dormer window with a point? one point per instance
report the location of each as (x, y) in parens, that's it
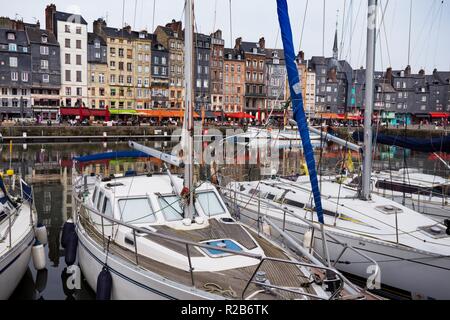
(97, 44)
(255, 50)
(142, 35)
(11, 36)
(175, 34)
(44, 38)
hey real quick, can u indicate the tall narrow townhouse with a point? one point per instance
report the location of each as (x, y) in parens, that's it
(172, 37)
(216, 66)
(71, 32)
(46, 72)
(276, 76)
(234, 82)
(142, 65)
(202, 92)
(160, 75)
(15, 70)
(98, 90)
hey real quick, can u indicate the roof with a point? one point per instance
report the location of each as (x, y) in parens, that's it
(248, 47)
(234, 53)
(92, 37)
(126, 34)
(21, 37)
(35, 36)
(69, 17)
(171, 33)
(280, 53)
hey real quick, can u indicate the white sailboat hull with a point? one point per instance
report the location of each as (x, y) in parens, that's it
(128, 281)
(14, 265)
(419, 273)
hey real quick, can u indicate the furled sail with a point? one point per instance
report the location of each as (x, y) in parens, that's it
(297, 102)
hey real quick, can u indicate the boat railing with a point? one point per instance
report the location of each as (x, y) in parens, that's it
(84, 212)
(9, 219)
(233, 197)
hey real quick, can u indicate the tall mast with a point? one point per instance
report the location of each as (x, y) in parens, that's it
(370, 63)
(188, 115)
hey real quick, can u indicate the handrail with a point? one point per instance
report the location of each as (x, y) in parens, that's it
(307, 265)
(309, 223)
(189, 244)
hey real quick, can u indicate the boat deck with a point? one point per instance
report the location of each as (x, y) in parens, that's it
(228, 283)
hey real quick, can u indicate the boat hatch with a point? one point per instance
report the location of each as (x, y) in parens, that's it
(222, 244)
(115, 184)
(435, 231)
(389, 209)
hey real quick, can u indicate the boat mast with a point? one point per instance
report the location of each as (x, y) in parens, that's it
(188, 115)
(370, 63)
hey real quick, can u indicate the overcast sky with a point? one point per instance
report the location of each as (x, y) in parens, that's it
(251, 19)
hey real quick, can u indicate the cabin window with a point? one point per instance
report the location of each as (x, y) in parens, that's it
(107, 208)
(171, 208)
(294, 203)
(100, 199)
(136, 211)
(270, 196)
(210, 203)
(94, 196)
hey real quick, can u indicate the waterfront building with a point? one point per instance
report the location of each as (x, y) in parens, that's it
(71, 32)
(276, 82)
(98, 89)
(15, 70)
(308, 84)
(172, 37)
(160, 76)
(234, 82)
(202, 57)
(216, 70)
(255, 83)
(142, 64)
(45, 72)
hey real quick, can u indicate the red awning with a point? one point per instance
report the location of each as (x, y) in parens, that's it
(84, 112)
(239, 115)
(439, 115)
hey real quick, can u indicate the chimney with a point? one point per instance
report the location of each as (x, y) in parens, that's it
(262, 43)
(98, 26)
(49, 13)
(301, 56)
(388, 76)
(408, 70)
(332, 76)
(435, 71)
(176, 26)
(38, 25)
(128, 29)
(238, 43)
(422, 72)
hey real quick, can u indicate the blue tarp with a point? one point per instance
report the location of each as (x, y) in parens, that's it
(297, 102)
(111, 156)
(439, 144)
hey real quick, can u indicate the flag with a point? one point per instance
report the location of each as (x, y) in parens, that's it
(27, 192)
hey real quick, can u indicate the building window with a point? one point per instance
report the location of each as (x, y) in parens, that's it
(78, 30)
(78, 76)
(44, 64)
(13, 62)
(101, 78)
(67, 43)
(78, 60)
(24, 92)
(24, 76)
(45, 78)
(68, 76)
(78, 44)
(68, 91)
(97, 55)
(44, 50)
(79, 91)
(15, 103)
(14, 76)
(11, 36)
(67, 28)
(13, 47)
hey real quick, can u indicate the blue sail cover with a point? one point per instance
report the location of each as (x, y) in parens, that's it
(439, 144)
(111, 156)
(297, 102)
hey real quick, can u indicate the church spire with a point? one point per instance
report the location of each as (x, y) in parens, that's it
(335, 46)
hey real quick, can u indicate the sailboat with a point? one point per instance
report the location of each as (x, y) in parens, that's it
(161, 236)
(413, 251)
(17, 223)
